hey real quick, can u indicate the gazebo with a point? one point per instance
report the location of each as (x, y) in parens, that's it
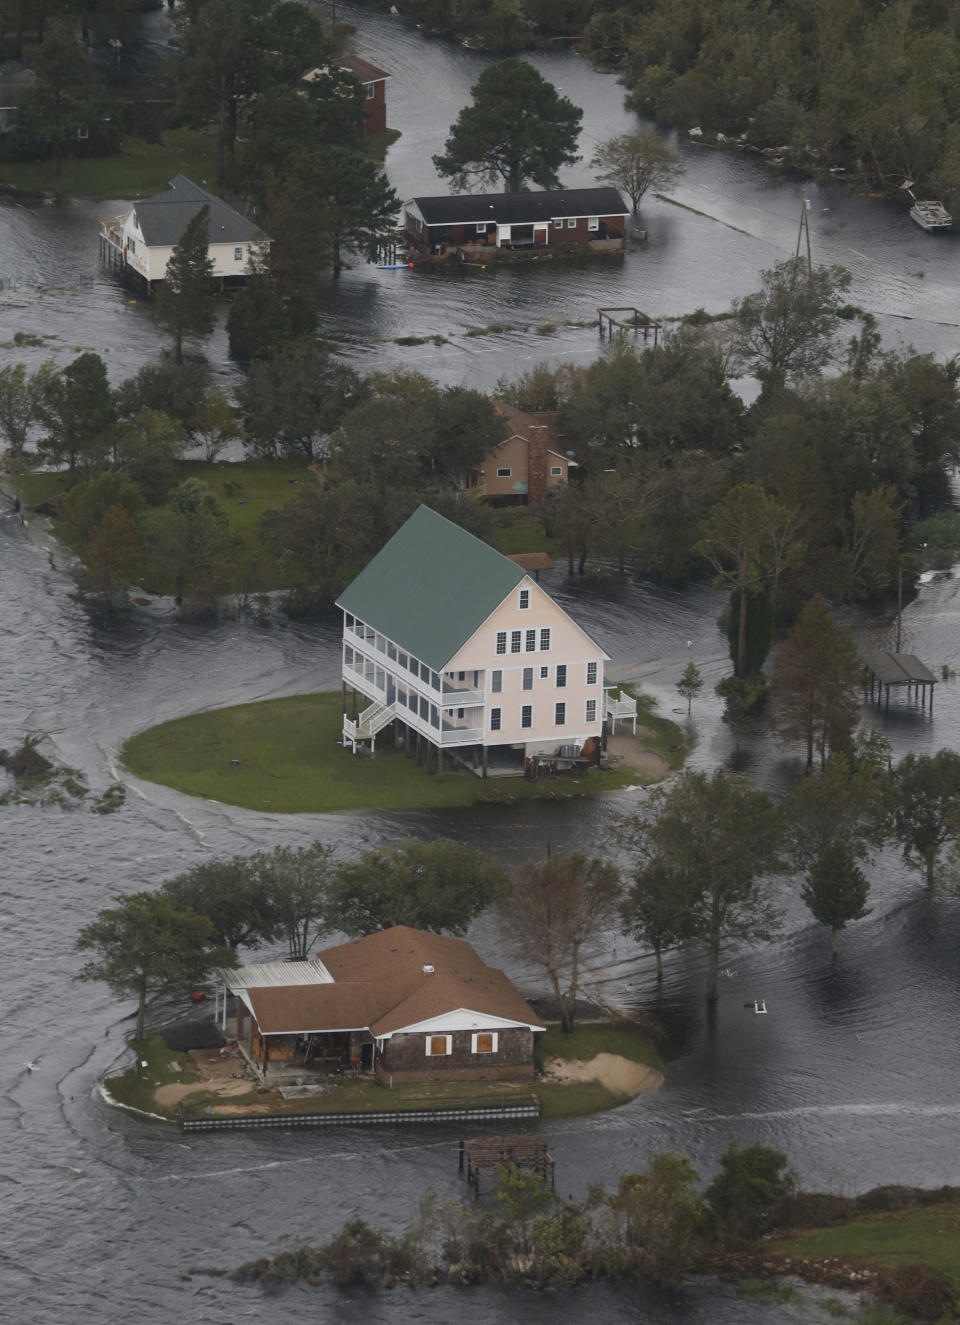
(883, 670)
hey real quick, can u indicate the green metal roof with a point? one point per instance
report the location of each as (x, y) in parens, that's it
(431, 587)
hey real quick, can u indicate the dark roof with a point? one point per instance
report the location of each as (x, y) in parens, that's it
(363, 69)
(521, 208)
(897, 669)
(532, 560)
(380, 984)
(430, 587)
(164, 217)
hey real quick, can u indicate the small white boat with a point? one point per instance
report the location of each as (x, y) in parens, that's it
(760, 1007)
(931, 215)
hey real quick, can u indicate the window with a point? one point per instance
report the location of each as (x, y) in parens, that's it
(495, 720)
(526, 716)
(556, 471)
(593, 222)
(481, 227)
(424, 672)
(545, 639)
(571, 223)
(484, 1042)
(544, 673)
(531, 641)
(558, 223)
(503, 473)
(424, 708)
(402, 659)
(435, 680)
(461, 676)
(591, 713)
(528, 678)
(524, 599)
(496, 681)
(348, 655)
(591, 674)
(82, 133)
(460, 715)
(559, 714)
(438, 1046)
(391, 651)
(238, 254)
(515, 636)
(132, 245)
(501, 642)
(368, 91)
(562, 675)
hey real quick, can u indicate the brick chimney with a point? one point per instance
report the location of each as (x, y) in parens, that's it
(537, 463)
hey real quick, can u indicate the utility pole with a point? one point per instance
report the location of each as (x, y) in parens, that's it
(805, 230)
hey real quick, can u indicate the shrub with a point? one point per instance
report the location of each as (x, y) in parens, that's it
(919, 1290)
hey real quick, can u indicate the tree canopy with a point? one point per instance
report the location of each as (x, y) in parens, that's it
(635, 163)
(518, 129)
(183, 302)
(816, 683)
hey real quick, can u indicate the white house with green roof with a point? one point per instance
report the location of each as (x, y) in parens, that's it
(463, 647)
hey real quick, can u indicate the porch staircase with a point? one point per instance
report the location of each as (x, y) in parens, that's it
(366, 725)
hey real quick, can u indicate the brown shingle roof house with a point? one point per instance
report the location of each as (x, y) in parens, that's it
(408, 1004)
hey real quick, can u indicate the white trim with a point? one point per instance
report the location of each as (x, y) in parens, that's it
(494, 1048)
(458, 1019)
(428, 1045)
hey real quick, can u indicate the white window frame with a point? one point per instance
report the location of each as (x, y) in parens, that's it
(571, 223)
(495, 1037)
(545, 639)
(496, 681)
(504, 472)
(561, 676)
(526, 726)
(560, 714)
(501, 642)
(524, 599)
(530, 640)
(447, 1051)
(516, 641)
(495, 719)
(544, 673)
(238, 253)
(556, 471)
(592, 670)
(590, 711)
(527, 679)
(481, 227)
(593, 222)
(558, 223)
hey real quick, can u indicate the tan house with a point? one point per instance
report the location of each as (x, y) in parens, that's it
(527, 464)
(403, 1003)
(465, 651)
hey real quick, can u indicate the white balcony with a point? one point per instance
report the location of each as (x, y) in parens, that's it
(459, 736)
(462, 699)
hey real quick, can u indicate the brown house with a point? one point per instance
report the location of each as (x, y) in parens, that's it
(404, 1003)
(485, 225)
(527, 464)
(374, 82)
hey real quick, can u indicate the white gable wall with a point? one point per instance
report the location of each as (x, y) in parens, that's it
(151, 261)
(461, 1019)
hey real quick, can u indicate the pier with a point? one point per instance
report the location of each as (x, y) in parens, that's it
(484, 1154)
(627, 319)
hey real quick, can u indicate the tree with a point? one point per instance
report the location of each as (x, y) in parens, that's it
(927, 790)
(189, 541)
(785, 331)
(440, 886)
(636, 162)
(552, 910)
(184, 305)
(836, 889)
(659, 909)
(215, 425)
(67, 102)
(78, 411)
(111, 558)
(146, 447)
(146, 945)
(518, 128)
(294, 882)
(719, 838)
(751, 1184)
(690, 684)
(847, 801)
(231, 895)
(175, 389)
(658, 1214)
(20, 397)
(874, 541)
(815, 683)
(292, 401)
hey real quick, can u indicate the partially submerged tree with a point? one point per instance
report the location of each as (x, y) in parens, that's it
(752, 1183)
(690, 684)
(815, 684)
(111, 558)
(927, 791)
(518, 129)
(657, 1215)
(439, 886)
(20, 399)
(552, 910)
(836, 889)
(184, 303)
(145, 945)
(231, 895)
(660, 908)
(636, 162)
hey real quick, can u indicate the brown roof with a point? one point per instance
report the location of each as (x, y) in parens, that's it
(364, 70)
(898, 669)
(380, 984)
(532, 560)
(521, 422)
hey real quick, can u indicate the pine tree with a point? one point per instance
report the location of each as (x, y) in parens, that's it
(690, 683)
(112, 555)
(836, 889)
(815, 683)
(184, 305)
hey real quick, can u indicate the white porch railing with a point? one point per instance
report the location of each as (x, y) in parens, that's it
(462, 699)
(623, 707)
(461, 736)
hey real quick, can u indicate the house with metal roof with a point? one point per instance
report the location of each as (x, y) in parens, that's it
(141, 240)
(403, 1003)
(464, 652)
(552, 221)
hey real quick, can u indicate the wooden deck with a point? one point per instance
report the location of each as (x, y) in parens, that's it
(483, 1154)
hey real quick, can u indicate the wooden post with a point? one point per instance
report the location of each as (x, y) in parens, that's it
(461, 1156)
(484, 763)
(440, 762)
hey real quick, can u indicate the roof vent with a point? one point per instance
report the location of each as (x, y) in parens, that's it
(428, 970)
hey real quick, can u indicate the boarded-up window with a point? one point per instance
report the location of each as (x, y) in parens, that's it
(438, 1046)
(485, 1042)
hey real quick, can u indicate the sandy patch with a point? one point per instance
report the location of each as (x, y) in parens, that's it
(167, 1096)
(228, 1110)
(632, 751)
(621, 1075)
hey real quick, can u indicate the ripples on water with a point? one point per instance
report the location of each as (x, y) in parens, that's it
(852, 1071)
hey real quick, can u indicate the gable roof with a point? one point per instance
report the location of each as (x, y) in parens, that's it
(430, 587)
(164, 217)
(362, 69)
(520, 208)
(380, 984)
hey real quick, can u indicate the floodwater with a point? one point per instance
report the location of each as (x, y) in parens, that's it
(852, 1073)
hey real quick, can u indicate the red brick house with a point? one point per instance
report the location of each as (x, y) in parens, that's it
(488, 225)
(374, 82)
(404, 1003)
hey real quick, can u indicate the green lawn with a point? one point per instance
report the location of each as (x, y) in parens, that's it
(135, 1087)
(136, 171)
(589, 1038)
(519, 530)
(928, 1235)
(290, 763)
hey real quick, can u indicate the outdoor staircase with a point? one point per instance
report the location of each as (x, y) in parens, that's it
(367, 724)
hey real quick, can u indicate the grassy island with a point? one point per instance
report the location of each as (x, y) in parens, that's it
(289, 762)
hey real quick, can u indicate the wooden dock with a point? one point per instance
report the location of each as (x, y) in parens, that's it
(483, 1154)
(627, 318)
(883, 670)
